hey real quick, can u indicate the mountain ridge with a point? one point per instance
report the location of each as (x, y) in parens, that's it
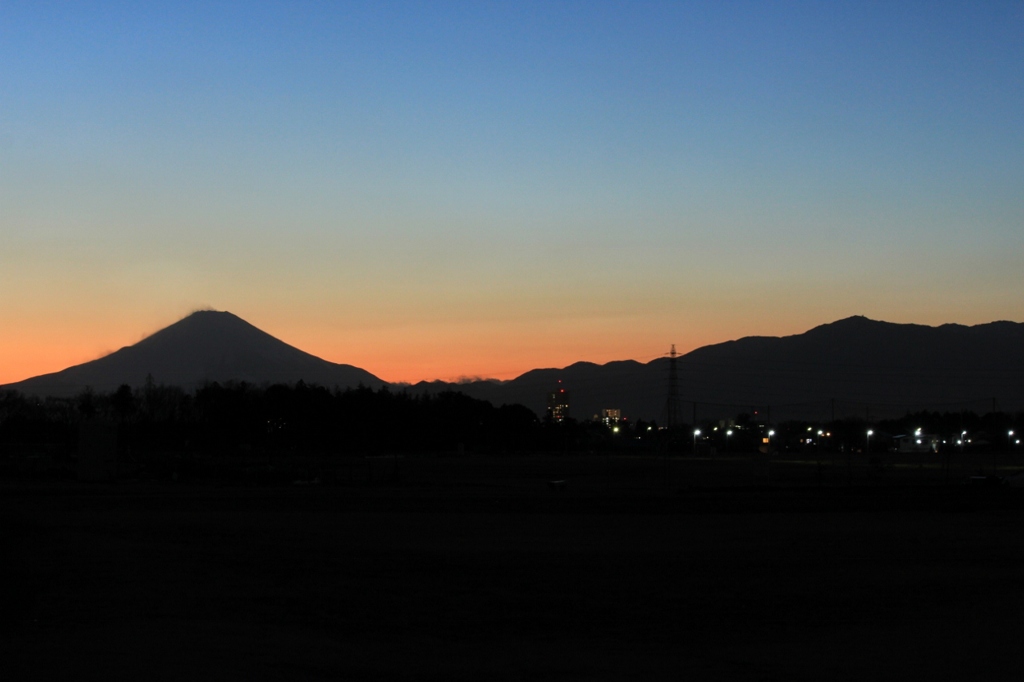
(856, 363)
(855, 360)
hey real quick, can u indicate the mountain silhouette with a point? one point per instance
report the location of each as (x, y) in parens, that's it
(204, 347)
(852, 367)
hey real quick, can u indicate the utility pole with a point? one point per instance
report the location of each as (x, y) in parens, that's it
(672, 403)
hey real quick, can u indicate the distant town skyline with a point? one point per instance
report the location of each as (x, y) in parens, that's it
(444, 190)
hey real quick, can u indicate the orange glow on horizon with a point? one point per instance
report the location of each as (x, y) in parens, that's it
(31, 358)
(496, 349)
(438, 353)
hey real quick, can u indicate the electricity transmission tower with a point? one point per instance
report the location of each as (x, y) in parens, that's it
(672, 401)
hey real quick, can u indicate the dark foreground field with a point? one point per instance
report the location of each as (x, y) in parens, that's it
(472, 569)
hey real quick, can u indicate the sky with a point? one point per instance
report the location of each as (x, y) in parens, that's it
(444, 190)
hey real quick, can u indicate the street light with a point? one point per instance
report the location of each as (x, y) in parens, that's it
(768, 458)
(867, 446)
(696, 432)
(729, 433)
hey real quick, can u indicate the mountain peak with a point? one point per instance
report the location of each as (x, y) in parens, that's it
(211, 314)
(205, 346)
(213, 317)
(853, 322)
(855, 319)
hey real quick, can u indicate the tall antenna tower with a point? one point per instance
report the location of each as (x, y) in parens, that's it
(672, 402)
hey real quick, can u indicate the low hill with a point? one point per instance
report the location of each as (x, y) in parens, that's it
(852, 367)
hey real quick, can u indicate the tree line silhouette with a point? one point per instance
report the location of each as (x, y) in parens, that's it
(234, 424)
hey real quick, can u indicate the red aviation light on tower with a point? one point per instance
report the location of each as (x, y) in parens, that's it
(558, 404)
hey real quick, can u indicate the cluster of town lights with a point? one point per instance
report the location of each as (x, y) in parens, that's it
(918, 436)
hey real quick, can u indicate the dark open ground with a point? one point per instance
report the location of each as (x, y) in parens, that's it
(475, 568)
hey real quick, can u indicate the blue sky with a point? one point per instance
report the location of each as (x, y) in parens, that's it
(504, 185)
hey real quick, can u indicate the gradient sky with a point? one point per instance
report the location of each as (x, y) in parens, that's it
(437, 190)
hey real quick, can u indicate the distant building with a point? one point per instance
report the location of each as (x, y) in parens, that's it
(558, 405)
(919, 442)
(611, 416)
